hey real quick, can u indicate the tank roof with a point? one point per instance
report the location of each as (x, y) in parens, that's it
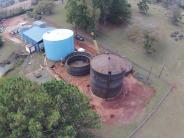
(58, 34)
(106, 63)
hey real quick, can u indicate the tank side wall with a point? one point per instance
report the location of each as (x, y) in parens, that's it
(58, 50)
(105, 87)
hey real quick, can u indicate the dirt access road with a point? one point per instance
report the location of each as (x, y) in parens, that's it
(11, 24)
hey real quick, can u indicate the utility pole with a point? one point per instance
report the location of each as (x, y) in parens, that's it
(45, 60)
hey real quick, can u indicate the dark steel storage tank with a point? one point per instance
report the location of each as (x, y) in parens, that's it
(78, 63)
(106, 75)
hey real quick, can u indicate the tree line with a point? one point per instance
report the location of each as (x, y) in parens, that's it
(86, 14)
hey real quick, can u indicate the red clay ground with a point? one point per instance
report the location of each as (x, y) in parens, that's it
(122, 109)
(11, 24)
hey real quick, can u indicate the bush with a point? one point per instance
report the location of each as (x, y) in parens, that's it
(143, 6)
(113, 11)
(147, 35)
(31, 14)
(119, 12)
(176, 15)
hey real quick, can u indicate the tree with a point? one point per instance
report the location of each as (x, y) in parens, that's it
(149, 41)
(152, 35)
(147, 35)
(78, 14)
(104, 6)
(1, 41)
(44, 7)
(135, 32)
(143, 6)
(86, 13)
(113, 11)
(54, 109)
(119, 11)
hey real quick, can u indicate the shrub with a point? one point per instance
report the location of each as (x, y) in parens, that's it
(143, 6)
(147, 35)
(176, 15)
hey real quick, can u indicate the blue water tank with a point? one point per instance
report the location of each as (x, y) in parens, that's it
(58, 44)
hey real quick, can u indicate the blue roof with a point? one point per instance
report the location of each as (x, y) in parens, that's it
(36, 33)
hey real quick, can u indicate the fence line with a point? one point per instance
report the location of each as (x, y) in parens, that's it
(148, 117)
(137, 65)
(134, 63)
(156, 108)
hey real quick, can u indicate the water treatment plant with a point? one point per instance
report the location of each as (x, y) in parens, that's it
(70, 60)
(106, 70)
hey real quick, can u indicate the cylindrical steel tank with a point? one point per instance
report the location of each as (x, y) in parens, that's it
(58, 44)
(78, 63)
(106, 75)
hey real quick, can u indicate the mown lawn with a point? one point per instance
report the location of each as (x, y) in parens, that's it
(58, 19)
(32, 63)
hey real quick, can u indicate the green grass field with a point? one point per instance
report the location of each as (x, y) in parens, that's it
(30, 64)
(7, 49)
(58, 19)
(168, 122)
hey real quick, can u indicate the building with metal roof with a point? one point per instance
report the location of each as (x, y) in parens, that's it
(34, 35)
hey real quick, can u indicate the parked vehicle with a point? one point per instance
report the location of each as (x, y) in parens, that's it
(79, 37)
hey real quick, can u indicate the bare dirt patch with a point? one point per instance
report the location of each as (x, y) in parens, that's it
(11, 24)
(40, 76)
(122, 109)
(14, 21)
